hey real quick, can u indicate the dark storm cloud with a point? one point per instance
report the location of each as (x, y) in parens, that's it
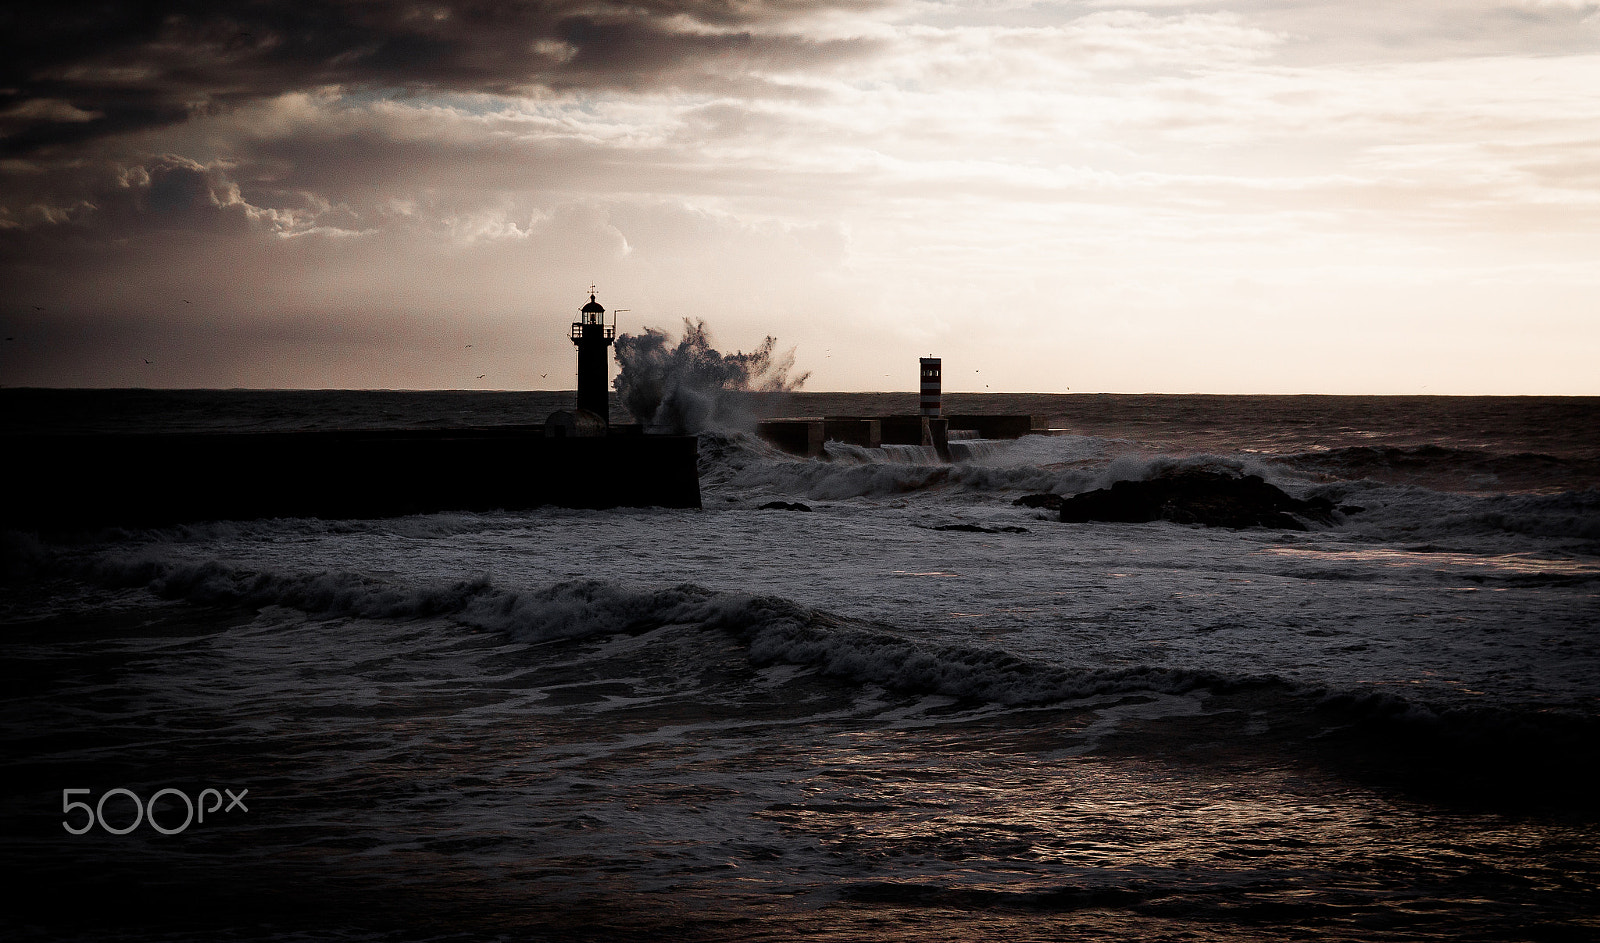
(63, 208)
(81, 69)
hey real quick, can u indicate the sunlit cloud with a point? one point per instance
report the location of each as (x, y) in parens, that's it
(1124, 176)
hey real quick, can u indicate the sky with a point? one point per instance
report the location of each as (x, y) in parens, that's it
(1241, 196)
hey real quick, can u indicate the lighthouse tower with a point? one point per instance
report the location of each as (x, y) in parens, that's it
(932, 367)
(594, 340)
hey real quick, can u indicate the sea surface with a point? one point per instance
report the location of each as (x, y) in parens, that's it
(917, 711)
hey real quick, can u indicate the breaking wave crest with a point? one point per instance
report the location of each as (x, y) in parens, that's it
(1068, 465)
(774, 629)
(1061, 464)
(777, 630)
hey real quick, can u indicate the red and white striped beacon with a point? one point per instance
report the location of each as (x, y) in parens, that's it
(931, 369)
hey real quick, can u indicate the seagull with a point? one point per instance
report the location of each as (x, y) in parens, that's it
(543, 375)
(187, 301)
(482, 375)
(147, 360)
(464, 348)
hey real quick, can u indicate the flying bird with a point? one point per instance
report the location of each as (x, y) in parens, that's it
(482, 375)
(147, 360)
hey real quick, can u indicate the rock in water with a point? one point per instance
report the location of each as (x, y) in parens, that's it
(1211, 498)
(783, 506)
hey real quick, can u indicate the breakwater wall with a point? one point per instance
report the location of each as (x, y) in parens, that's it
(63, 481)
(806, 435)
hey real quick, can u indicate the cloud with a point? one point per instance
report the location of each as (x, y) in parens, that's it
(76, 70)
(111, 201)
(392, 307)
(378, 176)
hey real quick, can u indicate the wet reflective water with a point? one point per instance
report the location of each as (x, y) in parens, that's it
(412, 780)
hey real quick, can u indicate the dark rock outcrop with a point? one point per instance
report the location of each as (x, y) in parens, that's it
(1050, 502)
(1211, 498)
(783, 506)
(981, 529)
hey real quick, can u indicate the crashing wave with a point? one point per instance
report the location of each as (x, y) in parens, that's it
(777, 630)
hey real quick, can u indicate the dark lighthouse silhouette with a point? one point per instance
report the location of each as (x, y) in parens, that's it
(594, 339)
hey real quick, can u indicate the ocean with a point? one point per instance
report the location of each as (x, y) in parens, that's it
(915, 711)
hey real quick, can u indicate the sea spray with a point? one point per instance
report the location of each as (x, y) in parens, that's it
(683, 388)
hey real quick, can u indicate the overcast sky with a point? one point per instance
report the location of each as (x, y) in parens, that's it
(1255, 196)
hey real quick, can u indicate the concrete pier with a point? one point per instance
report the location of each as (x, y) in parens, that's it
(852, 430)
(806, 435)
(901, 430)
(800, 436)
(998, 427)
(74, 481)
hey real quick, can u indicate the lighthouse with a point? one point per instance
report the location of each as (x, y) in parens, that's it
(594, 340)
(932, 367)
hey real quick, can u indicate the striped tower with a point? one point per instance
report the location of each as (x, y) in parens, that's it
(930, 385)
